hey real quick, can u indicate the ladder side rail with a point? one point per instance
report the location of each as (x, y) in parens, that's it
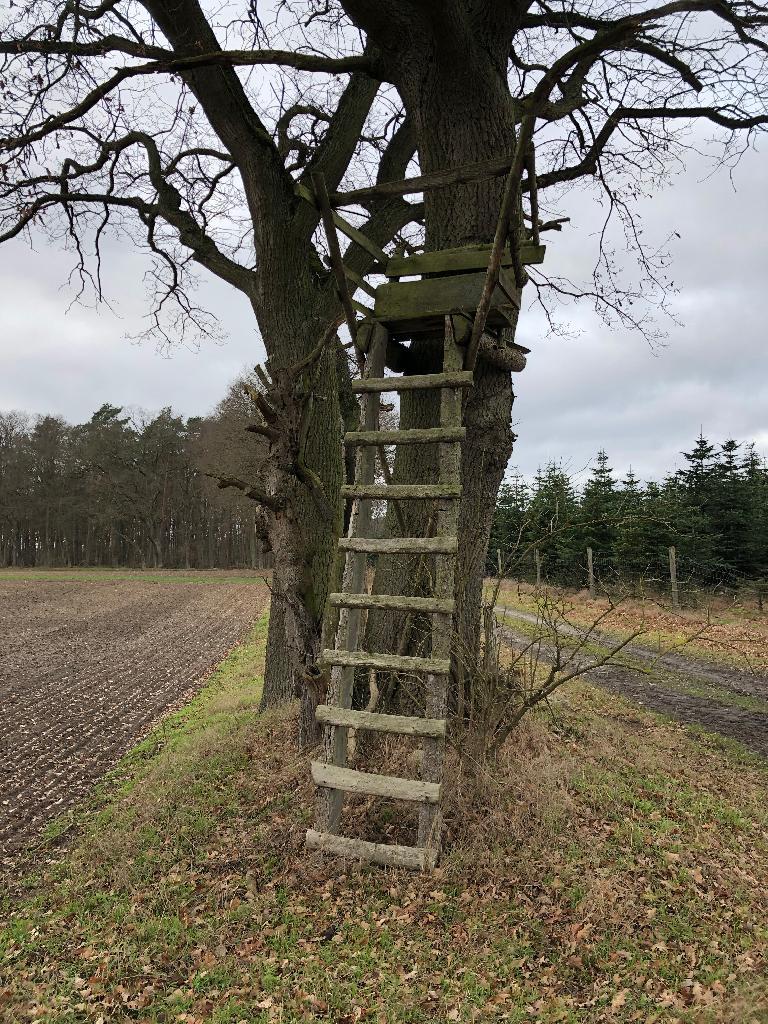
(433, 749)
(348, 634)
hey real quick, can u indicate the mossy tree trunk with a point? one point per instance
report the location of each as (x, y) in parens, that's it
(450, 72)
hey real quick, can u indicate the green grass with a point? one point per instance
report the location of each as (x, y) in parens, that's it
(203, 576)
(609, 868)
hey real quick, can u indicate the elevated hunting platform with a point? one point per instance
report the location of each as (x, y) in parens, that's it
(420, 290)
(460, 292)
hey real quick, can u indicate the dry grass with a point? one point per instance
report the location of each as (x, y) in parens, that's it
(736, 632)
(609, 867)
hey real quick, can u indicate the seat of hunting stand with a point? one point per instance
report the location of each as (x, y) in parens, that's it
(449, 281)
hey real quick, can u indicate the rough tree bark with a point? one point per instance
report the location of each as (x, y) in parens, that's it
(451, 75)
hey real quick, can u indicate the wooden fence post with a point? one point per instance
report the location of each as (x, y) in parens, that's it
(537, 560)
(591, 573)
(673, 577)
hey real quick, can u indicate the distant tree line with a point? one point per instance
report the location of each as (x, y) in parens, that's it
(714, 511)
(128, 490)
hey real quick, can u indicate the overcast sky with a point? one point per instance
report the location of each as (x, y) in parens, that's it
(605, 387)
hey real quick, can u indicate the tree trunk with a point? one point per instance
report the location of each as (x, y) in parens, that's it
(303, 543)
(462, 112)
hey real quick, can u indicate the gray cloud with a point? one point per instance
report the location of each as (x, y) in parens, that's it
(606, 387)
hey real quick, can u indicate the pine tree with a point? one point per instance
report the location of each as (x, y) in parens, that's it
(755, 477)
(555, 525)
(510, 532)
(635, 546)
(598, 511)
(727, 508)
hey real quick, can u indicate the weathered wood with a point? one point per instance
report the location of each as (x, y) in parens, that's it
(507, 284)
(673, 577)
(387, 662)
(401, 545)
(468, 257)
(391, 787)
(321, 192)
(405, 305)
(401, 725)
(364, 334)
(345, 227)
(375, 853)
(361, 308)
(384, 492)
(359, 281)
(416, 382)
(348, 634)
(384, 437)
(360, 239)
(394, 602)
(493, 168)
(430, 821)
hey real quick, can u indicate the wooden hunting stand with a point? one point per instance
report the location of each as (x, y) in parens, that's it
(448, 291)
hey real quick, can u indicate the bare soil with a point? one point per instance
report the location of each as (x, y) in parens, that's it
(87, 666)
(662, 688)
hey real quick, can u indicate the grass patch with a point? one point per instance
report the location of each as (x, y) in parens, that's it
(735, 636)
(608, 868)
(671, 679)
(208, 577)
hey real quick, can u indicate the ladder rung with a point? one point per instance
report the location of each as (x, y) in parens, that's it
(385, 437)
(377, 853)
(388, 786)
(402, 725)
(416, 382)
(386, 492)
(427, 605)
(401, 545)
(387, 662)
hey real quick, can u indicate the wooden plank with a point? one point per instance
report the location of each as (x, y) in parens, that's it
(385, 492)
(394, 602)
(467, 257)
(386, 662)
(359, 281)
(361, 308)
(330, 776)
(435, 706)
(345, 227)
(375, 853)
(493, 168)
(508, 286)
(401, 545)
(360, 239)
(409, 303)
(401, 725)
(415, 382)
(318, 183)
(427, 436)
(329, 804)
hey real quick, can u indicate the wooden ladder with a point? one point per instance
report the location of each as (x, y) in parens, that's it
(331, 774)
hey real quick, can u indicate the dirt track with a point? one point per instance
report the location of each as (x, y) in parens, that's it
(86, 667)
(663, 688)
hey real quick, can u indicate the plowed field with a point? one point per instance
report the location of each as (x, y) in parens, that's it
(87, 665)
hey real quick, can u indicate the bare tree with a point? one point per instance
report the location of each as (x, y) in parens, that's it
(186, 125)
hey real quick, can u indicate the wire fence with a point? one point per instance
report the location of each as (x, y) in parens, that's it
(683, 580)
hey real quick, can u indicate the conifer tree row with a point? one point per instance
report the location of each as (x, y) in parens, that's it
(714, 511)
